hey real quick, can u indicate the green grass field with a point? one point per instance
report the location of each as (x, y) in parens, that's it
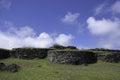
(30, 70)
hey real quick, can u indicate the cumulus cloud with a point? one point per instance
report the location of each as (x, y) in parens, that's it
(102, 27)
(5, 4)
(108, 31)
(43, 40)
(63, 39)
(26, 37)
(71, 18)
(116, 7)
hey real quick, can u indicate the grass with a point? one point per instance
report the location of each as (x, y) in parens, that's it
(30, 70)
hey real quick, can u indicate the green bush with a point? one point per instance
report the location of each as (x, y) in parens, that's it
(71, 47)
(58, 46)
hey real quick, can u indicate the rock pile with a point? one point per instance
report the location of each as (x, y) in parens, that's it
(10, 68)
(2, 66)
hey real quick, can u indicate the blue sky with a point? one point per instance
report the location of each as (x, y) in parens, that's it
(42, 23)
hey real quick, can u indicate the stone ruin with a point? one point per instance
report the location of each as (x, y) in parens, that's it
(113, 57)
(72, 57)
(4, 53)
(69, 55)
(29, 53)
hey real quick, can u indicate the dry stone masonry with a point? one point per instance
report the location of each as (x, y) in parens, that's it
(4, 53)
(72, 57)
(29, 53)
(63, 55)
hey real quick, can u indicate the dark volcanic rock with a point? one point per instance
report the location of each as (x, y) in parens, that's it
(2, 66)
(29, 53)
(72, 57)
(13, 68)
(4, 53)
(112, 57)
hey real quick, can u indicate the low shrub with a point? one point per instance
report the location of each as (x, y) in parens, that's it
(58, 46)
(71, 47)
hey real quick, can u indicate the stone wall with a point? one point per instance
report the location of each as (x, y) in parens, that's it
(29, 53)
(113, 57)
(4, 53)
(72, 57)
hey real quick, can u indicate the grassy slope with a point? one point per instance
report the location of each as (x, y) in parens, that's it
(49, 71)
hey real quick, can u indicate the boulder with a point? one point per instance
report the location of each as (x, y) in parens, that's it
(13, 68)
(2, 66)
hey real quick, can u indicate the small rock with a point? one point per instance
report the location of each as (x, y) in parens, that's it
(13, 68)
(2, 66)
(39, 66)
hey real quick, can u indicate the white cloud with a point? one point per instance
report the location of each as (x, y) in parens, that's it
(99, 9)
(5, 4)
(71, 18)
(108, 8)
(102, 27)
(111, 41)
(26, 37)
(22, 32)
(63, 39)
(108, 31)
(43, 40)
(116, 7)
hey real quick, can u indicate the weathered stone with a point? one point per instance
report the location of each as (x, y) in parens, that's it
(29, 53)
(114, 57)
(72, 57)
(4, 53)
(13, 68)
(111, 57)
(2, 66)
